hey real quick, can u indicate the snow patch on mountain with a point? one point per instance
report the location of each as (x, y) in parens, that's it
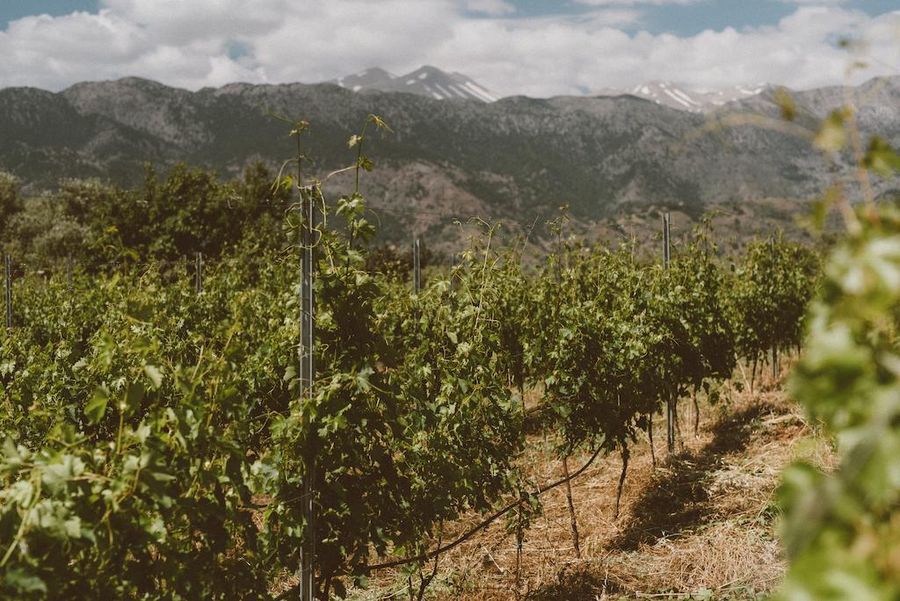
(424, 81)
(434, 83)
(683, 98)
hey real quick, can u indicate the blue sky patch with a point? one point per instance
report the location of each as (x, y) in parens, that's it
(675, 18)
(10, 10)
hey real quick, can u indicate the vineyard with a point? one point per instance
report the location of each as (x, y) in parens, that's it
(286, 420)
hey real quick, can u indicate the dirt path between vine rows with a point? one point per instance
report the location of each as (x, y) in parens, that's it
(702, 524)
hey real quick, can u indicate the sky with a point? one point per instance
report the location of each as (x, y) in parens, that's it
(535, 47)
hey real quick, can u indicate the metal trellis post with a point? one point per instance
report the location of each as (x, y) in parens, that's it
(774, 345)
(307, 376)
(670, 401)
(417, 267)
(198, 272)
(666, 252)
(8, 290)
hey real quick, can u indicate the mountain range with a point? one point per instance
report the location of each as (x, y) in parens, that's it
(424, 81)
(614, 161)
(686, 99)
(440, 85)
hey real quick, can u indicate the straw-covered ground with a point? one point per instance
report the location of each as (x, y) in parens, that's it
(701, 524)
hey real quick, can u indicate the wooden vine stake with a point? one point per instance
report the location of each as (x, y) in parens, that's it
(626, 454)
(520, 539)
(573, 520)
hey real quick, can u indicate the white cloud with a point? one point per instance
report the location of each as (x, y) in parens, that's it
(636, 2)
(52, 52)
(816, 2)
(568, 57)
(189, 44)
(176, 21)
(490, 7)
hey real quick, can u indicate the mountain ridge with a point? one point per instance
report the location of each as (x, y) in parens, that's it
(425, 81)
(517, 157)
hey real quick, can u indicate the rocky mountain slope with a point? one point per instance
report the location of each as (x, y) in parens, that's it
(686, 99)
(517, 158)
(425, 81)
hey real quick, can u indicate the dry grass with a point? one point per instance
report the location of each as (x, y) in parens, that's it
(702, 522)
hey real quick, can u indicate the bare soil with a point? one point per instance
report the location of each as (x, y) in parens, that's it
(700, 524)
